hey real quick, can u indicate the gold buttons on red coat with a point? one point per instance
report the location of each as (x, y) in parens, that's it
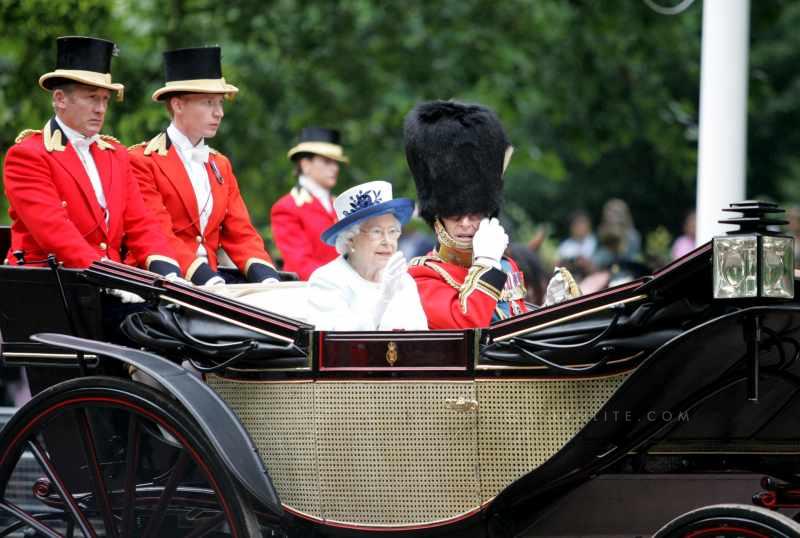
(63, 203)
(199, 239)
(103, 246)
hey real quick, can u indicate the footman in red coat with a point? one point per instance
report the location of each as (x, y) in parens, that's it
(70, 189)
(299, 217)
(190, 186)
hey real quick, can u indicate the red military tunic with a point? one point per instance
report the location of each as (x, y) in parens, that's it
(458, 297)
(54, 209)
(298, 219)
(169, 194)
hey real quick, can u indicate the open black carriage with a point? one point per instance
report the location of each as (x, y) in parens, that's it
(611, 414)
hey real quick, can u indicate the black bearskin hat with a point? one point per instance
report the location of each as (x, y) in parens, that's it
(455, 152)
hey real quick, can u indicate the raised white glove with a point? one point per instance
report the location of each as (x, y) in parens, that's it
(391, 281)
(489, 243)
(391, 275)
(126, 297)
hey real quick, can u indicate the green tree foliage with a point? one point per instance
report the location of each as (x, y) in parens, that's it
(599, 98)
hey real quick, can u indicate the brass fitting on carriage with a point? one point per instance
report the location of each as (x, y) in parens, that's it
(462, 405)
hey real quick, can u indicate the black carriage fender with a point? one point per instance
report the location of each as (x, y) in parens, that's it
(215, 418)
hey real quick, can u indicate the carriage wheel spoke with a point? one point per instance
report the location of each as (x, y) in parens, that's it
(66, 496)
(29, 520)
(95, 473)
(212, 524)
(180, 470)
(131, 466)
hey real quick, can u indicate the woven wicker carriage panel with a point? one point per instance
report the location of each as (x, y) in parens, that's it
(396, 453)
(522, 423)
(279, 418)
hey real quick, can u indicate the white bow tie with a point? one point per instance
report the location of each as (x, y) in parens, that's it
(199, 153)
(84, 143)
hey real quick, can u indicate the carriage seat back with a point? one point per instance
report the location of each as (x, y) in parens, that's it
(30, 303)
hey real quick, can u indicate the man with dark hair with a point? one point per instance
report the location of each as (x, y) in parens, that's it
(457, 154)
(70, 188)
(299, 217)
(191, 187)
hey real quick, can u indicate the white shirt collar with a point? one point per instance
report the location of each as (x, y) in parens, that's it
(314, 188)
(180, 139)
(71, 133)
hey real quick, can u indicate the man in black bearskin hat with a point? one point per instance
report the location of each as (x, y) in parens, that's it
(457, 154)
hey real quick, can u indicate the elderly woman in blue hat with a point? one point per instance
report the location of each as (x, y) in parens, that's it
(367, 287)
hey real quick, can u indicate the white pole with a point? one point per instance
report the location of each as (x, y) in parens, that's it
(722, 148)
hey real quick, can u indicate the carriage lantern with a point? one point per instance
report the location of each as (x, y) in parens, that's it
(755, 260)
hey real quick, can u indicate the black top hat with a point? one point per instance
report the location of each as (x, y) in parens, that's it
(194, 70)
(319, 141)
(457, 153)
(83, 59)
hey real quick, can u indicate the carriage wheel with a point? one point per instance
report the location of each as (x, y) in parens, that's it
(730, 521)
(108, 457)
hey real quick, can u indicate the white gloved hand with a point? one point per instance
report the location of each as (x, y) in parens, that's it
(391, 281)
(270, 280)
(489, 243)
(173, 277)
(215, 280)
(391, 275)
(126, 297)
(562, 287)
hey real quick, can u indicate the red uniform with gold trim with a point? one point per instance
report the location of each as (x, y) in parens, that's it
(54, 209)
(168, 192)
(458, 297)
(298, 220)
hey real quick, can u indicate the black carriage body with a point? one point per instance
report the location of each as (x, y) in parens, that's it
(628, 407)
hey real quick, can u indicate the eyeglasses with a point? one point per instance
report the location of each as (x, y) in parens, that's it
(376, 234)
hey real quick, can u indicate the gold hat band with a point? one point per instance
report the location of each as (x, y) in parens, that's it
(326, 149)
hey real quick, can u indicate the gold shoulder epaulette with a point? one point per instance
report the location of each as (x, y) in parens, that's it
(140, 144)
(25, 134)
(157, 144)
(104, 142)
(300, 196)
(52, 139)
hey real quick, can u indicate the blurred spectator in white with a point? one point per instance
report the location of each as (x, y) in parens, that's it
(624, 243)
(686, 242)
(576, 252)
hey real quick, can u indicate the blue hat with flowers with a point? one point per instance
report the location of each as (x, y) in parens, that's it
(363, 202)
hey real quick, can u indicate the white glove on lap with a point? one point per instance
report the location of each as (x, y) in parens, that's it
(126, 297)
(270, 280)
(173, 277)
(215, 280)
(489, 243)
